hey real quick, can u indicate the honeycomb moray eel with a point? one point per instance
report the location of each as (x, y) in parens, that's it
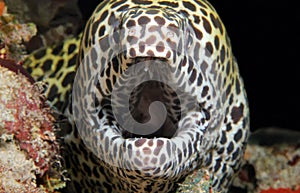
(156, 94)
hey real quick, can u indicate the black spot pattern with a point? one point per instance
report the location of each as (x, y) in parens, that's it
(159, 20)
(39, 54)
(52, 93)
(217, 42)
(47, 65)
(71, 48)
(142, 2)
(117, 3)
(123, 8)
(203, 11)
(95, 26)
(230, 147)
(169, 3)
(217, 23)
(238, 135)
(68, 79)
(189, 5)
(73, 60)
(209, 48)
(193, 76)
(198, 33)
(130, 23)
(222, 54)
(237, 86)
(143, 20)
(104, 44)
(237, 113)
(58, 66)
(206, 25)
(200, 3)
(112, 19)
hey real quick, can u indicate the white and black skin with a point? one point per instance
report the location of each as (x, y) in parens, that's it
(134, 53)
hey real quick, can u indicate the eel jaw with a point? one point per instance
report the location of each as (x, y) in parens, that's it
(168, 159)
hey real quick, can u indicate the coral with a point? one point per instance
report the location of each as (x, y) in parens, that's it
(2, 7)
(14, 35)
(16, 171)
(274, 160)
(55, 20)
(25, 116)
(276, 166)
(197, 182)
(3, 51)
(45, 13)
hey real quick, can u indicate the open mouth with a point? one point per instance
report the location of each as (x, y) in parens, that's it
(148, 58)
(149, 93)
(153, 104)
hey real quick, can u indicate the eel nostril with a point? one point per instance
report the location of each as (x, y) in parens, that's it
(170, 34)
(132, 32)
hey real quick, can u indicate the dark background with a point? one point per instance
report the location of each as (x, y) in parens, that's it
(265, 38)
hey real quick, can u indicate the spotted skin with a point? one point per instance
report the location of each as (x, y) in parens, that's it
(191, 41)
(56, 67)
